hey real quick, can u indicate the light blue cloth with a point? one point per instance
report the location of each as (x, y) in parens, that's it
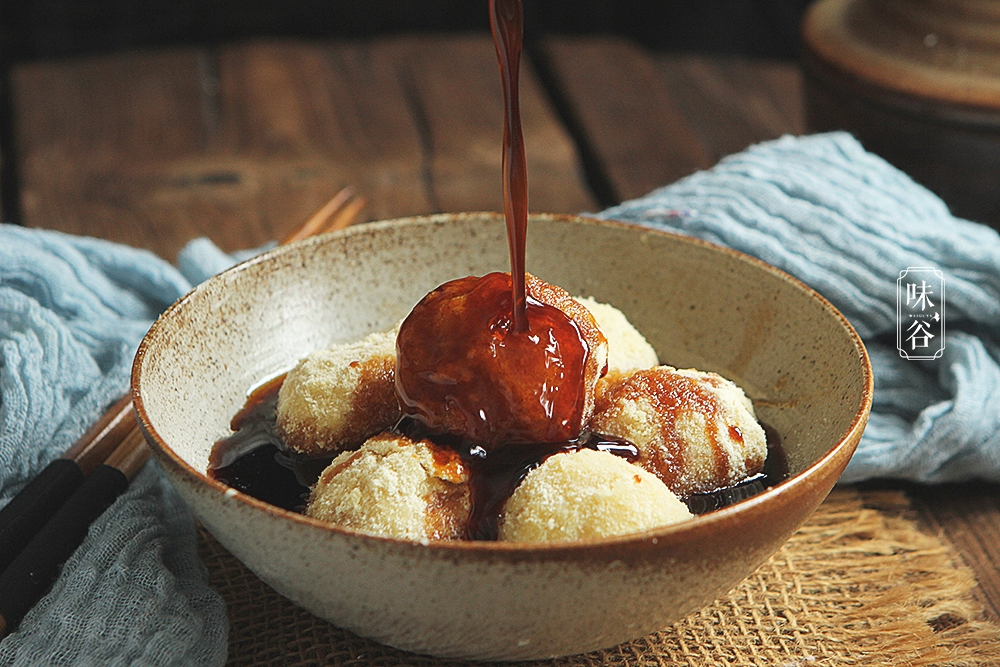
(72, 311)
(846, 223)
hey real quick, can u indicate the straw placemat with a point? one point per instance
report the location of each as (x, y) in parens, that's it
(859, 584)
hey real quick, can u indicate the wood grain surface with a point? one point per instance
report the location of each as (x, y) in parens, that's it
(241, 143)
(968, 515)
(640, 132)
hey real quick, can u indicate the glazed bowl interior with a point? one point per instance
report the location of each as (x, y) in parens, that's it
(699, 306)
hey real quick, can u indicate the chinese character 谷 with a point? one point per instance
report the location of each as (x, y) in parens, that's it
(921, 336)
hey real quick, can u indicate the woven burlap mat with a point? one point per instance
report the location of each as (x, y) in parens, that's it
(859, 584)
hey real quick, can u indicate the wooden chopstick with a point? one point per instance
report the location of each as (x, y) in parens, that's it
(337, 213)
(101, 438)
(28, 511)
(113, 443)
(346, 216)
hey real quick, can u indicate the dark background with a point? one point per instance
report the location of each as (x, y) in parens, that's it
(34, 29)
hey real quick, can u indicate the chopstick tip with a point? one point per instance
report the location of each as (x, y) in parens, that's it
(327, 215)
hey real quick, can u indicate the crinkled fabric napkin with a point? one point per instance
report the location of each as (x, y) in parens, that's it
(846, 223)
(72, 312)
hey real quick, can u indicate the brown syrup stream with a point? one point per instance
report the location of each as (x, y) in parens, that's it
(507, 24)
(254, 460)
(507, 386)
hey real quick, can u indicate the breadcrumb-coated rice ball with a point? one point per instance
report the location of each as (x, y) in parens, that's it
(395, 487)
(336, 398)
(628, 350)
(696, 431)
(587, 494)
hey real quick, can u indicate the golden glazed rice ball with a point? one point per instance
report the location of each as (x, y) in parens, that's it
(395, 487)
(336, 398)
(696, 431)
(451, 378)
(590, 331)
(587, 494)
(628, 350)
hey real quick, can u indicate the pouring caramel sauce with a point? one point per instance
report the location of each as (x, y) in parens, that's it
(481, 367)
(477, 357)
(507, 25)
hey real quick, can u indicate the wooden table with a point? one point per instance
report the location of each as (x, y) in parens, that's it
(241, 143)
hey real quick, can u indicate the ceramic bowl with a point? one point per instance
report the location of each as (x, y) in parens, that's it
(699, 305)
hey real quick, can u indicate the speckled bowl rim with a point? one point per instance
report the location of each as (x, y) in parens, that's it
(606, 546)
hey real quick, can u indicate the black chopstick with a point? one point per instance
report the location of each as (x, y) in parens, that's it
(44, 523)
(28, 511)
(36, 567)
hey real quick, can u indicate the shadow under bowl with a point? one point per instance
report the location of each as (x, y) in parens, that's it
(698, 304)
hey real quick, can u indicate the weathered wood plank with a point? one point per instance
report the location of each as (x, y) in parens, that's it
(734, 102)
(454, 86)
(242, 143)
(86, 129)
(655, 118)
(305, 119)
(250, 152)
(638, 131)
(968, 515)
